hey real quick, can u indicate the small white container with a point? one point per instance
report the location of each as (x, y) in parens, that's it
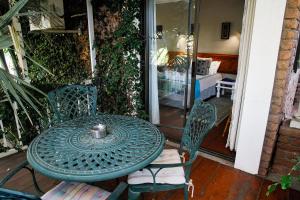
(99, 131)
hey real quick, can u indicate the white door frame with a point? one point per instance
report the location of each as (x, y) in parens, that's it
(258, 60)
(91, 31)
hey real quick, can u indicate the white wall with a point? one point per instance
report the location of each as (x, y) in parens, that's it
(212, 14)
(174, 18)
(262, 60)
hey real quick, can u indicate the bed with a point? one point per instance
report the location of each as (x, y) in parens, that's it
(171, 83)
(171, 87)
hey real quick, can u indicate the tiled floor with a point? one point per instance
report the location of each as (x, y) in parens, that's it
(212, 180)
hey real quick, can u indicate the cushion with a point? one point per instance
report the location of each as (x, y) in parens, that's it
(202, 66)
(75, 191)
(214, 66)
(173, 175)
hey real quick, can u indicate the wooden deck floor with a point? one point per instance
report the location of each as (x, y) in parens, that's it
(213, 181)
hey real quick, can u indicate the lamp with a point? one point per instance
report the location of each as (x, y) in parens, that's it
(225, 30)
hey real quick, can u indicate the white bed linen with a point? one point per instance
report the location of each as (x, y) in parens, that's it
(208, 80)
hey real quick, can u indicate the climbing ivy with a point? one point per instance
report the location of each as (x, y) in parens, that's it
(118, 48)
(58, 53)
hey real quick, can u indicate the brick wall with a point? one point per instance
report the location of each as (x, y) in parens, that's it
(297, 96)
(286, 57)
(287, 149)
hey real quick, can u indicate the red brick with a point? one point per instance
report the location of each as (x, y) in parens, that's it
(292, 13)
(277, 100)
(272, 127)
(290, 34)
(263, 171)
(280, 153)
(291, 23)
(270, 134)
(278, 92)
(283, 139)
(268, 148)
(276, 109)
(280, 83)
(282, 74)
(264, 164)
(288, 44)
(293, 3)
(291, 132)
(289, 140)
(285, 55)
(279, 169)
(284, 162)
(289, 147)
(283, 64)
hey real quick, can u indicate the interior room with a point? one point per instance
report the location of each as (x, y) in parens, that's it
(211, 71)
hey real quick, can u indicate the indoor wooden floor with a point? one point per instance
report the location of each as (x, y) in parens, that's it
(215, 140)
(213, 181)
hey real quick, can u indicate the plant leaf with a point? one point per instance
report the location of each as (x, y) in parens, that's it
(5, 41)
(271, 188)
(296, 167)
(6, 18)
(286, 182)
(38, 64)
(14, 87)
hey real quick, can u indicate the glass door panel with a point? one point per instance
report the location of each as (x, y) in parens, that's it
(173, 60)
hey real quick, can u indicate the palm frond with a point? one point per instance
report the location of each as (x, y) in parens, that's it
(5, 41)
(17, 89)
(6, 18)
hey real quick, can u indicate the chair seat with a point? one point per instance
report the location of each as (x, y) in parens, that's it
(172, 176)
(75, 191)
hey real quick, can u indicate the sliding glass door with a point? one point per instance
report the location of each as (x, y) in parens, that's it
(170, 34)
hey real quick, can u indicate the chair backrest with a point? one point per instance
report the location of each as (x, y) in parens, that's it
(73, 101)
(200, 121)
(7, 194)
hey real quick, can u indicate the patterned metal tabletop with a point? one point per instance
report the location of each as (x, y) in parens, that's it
(69, 152)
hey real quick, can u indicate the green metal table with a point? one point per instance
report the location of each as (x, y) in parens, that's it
(69, 152)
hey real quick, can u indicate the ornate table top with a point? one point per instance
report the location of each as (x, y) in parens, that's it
(69, 152)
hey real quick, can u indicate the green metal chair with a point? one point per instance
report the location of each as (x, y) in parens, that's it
(73, 101)
(169, 171)
(64, 190)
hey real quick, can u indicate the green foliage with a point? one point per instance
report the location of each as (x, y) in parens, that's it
(12, 88)
(6, 18)
(119, 69)
(58, 53)
(287, 180)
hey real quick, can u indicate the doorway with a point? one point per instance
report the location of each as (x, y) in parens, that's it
(187, 39)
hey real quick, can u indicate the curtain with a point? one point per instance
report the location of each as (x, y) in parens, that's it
(153, 84)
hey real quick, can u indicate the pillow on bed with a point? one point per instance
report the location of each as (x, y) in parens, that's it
(214, 66)
(202, 66)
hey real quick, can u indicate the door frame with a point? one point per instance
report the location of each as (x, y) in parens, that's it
(263, 21)
(258, 59)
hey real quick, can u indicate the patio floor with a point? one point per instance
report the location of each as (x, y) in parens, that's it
(212, 180)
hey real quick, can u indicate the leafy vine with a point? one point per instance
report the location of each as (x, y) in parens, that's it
(119, 43)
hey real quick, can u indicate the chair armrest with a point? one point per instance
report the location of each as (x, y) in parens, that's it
(118, 191)
(13, 172)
